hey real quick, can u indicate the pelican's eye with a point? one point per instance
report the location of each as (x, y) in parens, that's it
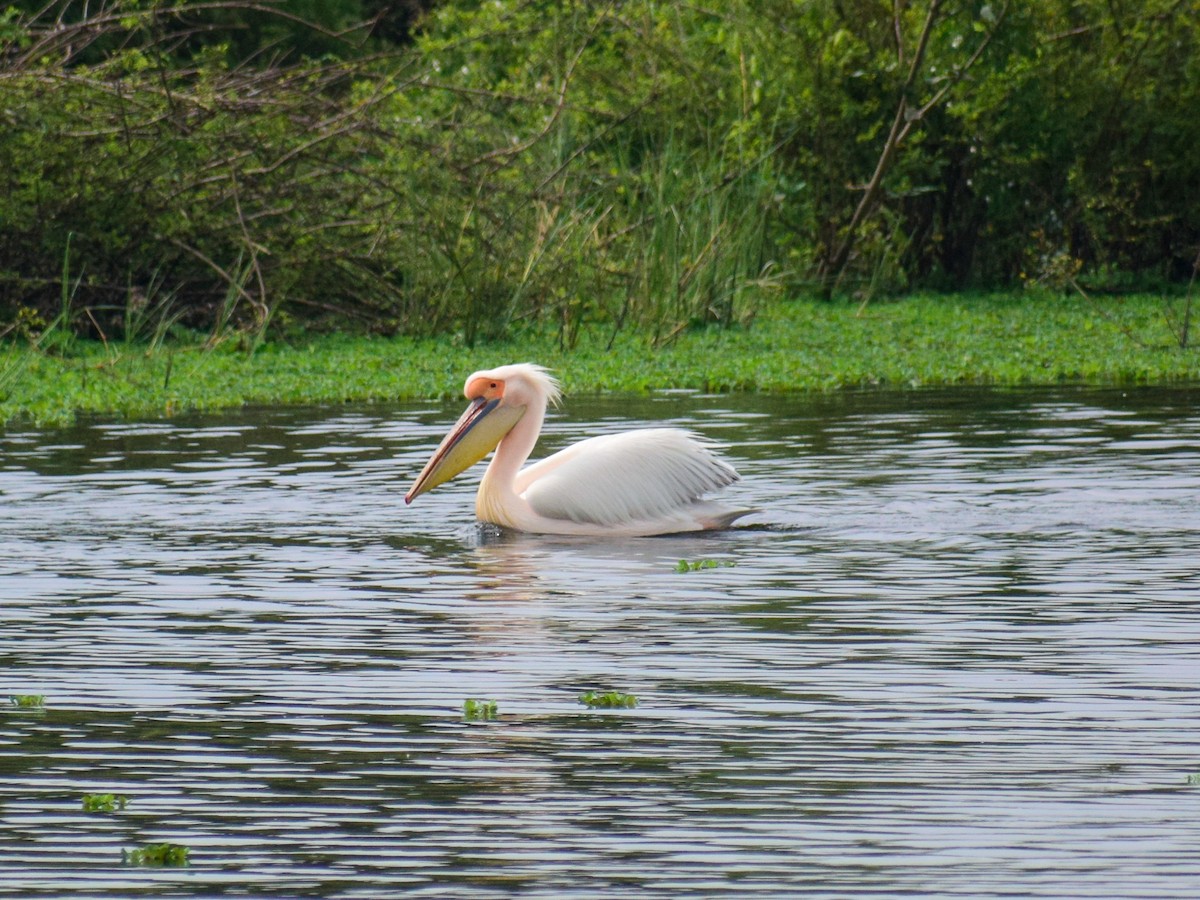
(489, 388)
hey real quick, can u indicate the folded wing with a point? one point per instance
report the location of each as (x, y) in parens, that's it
(618, 479)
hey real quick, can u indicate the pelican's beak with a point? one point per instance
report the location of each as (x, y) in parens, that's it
(474, 436)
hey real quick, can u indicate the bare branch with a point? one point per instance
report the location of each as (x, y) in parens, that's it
(556, 114)
(905, 120)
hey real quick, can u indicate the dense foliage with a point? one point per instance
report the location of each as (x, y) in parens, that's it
(610, 165)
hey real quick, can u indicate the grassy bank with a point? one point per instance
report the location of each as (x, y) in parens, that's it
(791, 346)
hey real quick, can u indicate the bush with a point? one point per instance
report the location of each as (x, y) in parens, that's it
(219, 192)
(618, 165)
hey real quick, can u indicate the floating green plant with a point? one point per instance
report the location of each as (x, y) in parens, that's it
(1194, 779)
(157, 855)
(479, 710)
(104, 802)
(695, 565)
(27, 701)
(1020, 338)
(608, 700)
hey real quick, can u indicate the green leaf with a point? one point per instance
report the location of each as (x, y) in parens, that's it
(164, 854)
(608, 700)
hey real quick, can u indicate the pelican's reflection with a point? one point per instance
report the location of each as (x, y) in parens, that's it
(508, 566)
(515, 566)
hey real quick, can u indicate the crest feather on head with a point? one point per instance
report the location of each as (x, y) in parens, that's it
(538, 376)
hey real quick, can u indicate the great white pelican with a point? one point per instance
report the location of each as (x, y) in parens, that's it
(643, 482)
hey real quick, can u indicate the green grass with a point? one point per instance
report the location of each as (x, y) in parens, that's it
(802, 345)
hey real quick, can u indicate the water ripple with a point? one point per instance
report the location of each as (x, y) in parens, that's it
(956, 656)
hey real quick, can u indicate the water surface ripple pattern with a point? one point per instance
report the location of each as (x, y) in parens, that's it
(957, 655)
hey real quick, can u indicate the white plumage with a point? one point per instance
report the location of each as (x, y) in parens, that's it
(643, 482)
(635, 476)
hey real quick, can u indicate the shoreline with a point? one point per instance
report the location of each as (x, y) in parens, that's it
(791, 346)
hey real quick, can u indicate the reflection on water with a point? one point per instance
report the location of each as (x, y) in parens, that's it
(957, 655)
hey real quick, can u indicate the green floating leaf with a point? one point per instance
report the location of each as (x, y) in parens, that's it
(27, 701)
(157, 855)
(694, 566)
(1194, 779)
(608, 700)
(479, 710)
(104, 802)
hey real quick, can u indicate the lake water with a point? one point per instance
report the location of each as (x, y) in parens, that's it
(958, 654)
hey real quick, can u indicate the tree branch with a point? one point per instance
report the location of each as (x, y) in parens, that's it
(905, 119)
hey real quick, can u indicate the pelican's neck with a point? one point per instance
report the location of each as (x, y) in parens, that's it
(497, 499)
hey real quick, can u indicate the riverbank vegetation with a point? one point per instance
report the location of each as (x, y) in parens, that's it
(206, 203)
(174, 168)
(809, 345)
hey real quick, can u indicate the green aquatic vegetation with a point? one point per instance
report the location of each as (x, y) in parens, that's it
(608, 700)
(164, 854)
(479, 710)
(104, 802)
(694, 566)
(1194, 779)
(27, 701)
(1001, 339)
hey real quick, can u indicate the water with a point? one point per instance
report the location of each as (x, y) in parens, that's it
(958, 655)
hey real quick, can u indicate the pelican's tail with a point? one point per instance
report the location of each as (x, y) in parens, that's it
(714, 516)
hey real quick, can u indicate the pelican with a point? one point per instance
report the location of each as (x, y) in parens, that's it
(635, 483)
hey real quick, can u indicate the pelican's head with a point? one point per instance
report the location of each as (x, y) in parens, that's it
(499, 398)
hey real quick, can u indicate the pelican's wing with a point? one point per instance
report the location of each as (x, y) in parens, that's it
(617, 479)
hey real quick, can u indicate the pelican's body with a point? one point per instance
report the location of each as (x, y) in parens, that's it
(633, 483)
